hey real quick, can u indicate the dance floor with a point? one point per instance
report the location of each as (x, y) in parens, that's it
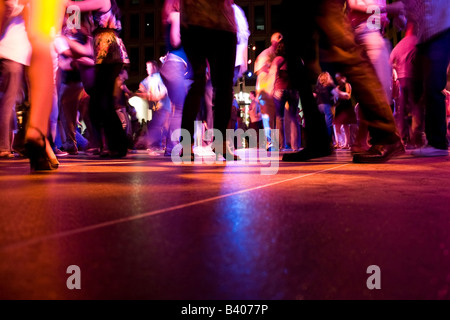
(146, 228)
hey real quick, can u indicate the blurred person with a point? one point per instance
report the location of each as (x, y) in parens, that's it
(433, 58)
(175, 69)
(125, 112)
(344, 114)
(265, 80)
(233, 124)
(208, 34)
(153, 89)
(74, 47)
(403, 60)
(15, 54)
(325, 95)
(284, 93)
(369, 19)
(110, 57)
(254, 112)
(326, 26)
(243, 33)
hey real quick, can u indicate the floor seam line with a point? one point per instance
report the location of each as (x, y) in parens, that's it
(155, 212)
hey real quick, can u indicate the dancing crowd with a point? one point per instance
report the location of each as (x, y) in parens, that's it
(329, 79)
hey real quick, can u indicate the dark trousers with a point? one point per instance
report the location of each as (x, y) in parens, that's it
(103, 115)
(433, 58)
(322, 34)
(218, 49)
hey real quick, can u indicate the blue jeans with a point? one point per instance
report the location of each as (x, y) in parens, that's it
(325, 109)
(173, 75)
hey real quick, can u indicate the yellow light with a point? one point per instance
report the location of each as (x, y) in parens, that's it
(46, 15)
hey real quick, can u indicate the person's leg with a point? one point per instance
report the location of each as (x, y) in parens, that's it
(280, 102)
(221, 56)
(293, 121)
(12, 77)
(325, 109)
(300, 34)
(102, 109)
(401, 112)
(437, 58)
(69, 100)
(375, 47)
(172, 73)
(42, 19)
(194, 44)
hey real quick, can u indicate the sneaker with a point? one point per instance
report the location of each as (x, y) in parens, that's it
(60, 153)
(429, 151)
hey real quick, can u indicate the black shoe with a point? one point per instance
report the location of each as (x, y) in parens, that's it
(379, 153)
(307, 154)
(36, 152)
(187, 157)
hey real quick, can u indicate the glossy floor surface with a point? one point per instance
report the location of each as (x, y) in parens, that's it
(144, 227)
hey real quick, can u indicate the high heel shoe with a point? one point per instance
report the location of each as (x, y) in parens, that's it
(36, 152)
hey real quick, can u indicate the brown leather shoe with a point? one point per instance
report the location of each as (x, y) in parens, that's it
(380, 153)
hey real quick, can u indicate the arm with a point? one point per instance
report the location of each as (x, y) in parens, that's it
(81, 50)
(175, 36)
(338, 94)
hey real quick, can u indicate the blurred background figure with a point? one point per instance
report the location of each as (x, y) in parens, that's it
(254, 112)
(243, 33)
(110, 57)
(345, 121)
(408, 114)
(265, 81)
(325, 96)
(283, 94)
(152, 89)
(15, 54)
